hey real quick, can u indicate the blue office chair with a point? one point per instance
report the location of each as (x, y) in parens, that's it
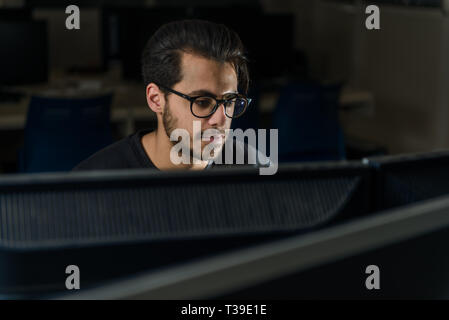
(306, 116)
(61, 132)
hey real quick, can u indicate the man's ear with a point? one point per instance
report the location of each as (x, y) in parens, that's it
(155, 98)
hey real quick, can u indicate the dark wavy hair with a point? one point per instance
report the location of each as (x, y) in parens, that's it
(161, 57)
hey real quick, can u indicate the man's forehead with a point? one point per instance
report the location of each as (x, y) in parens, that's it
(200, 73)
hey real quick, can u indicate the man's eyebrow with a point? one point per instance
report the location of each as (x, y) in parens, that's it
(203, 92)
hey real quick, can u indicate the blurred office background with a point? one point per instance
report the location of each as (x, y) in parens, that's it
(334, 89)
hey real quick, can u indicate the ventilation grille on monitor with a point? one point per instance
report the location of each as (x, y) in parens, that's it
(169, 211)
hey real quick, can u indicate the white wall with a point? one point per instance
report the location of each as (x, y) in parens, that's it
(405, 65)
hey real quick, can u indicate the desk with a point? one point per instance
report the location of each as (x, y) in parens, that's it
(129, 104)
(350, 100)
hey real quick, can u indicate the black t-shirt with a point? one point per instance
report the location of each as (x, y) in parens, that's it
(127, 153)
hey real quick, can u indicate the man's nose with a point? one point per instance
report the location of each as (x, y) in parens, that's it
(218, 118)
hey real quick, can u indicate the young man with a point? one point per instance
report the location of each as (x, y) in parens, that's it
(193, 71)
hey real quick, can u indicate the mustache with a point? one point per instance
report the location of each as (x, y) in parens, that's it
(211, 132)
(216, 131)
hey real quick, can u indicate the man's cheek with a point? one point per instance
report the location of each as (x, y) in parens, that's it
(228, 123)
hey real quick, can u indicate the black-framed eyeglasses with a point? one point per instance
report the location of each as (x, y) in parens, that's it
(205, 106)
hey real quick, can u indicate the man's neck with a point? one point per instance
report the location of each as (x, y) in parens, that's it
(158, 146)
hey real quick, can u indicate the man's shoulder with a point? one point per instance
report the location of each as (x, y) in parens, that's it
(110, 157)
(119, 155)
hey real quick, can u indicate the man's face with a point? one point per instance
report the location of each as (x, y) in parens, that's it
(200, 76)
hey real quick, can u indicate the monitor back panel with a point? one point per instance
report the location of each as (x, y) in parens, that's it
(403, 180)
(118, 224)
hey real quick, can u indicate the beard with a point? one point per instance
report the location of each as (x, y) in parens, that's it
(170, 123)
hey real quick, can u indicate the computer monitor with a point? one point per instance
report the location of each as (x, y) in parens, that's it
(126, 30)
(405, 249)
(115, 224)
(270, 49)
(15, 14)
(74, 51)
(405, 179)
(24, 57)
